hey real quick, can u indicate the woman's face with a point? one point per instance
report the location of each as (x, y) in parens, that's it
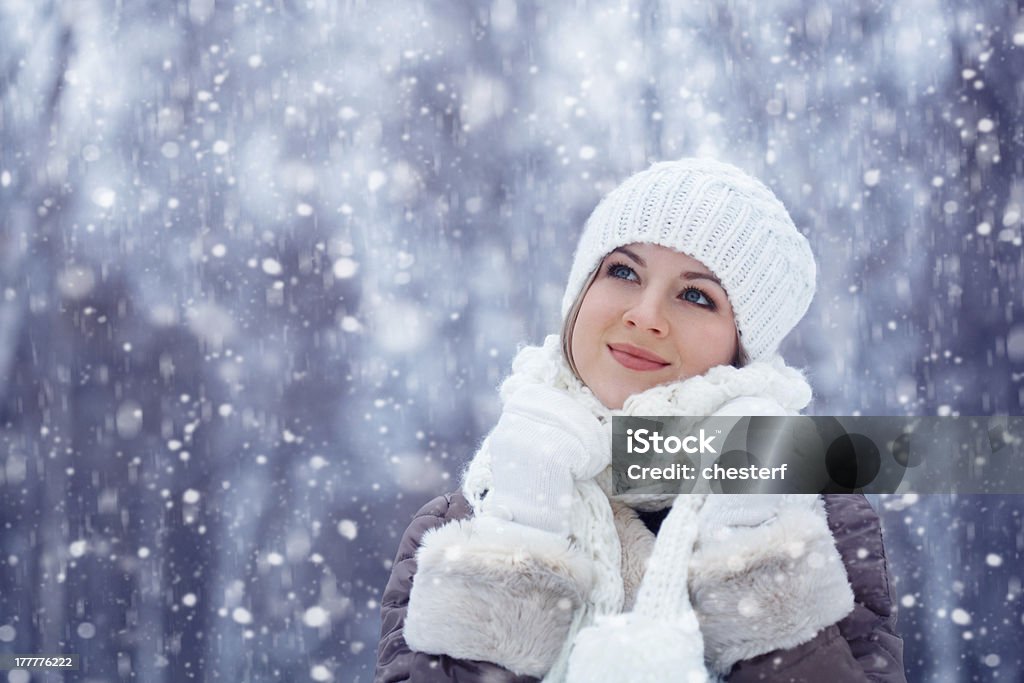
(656, 302)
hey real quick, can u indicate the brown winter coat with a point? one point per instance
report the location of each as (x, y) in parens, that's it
(863, 646)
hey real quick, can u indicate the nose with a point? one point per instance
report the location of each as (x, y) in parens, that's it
(646, 313)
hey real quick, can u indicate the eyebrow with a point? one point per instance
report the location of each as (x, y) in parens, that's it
(688, 274)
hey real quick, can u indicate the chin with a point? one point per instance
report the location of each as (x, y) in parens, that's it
(614, 399)
(613, 405)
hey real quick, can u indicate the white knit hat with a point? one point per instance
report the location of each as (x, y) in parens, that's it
(724, 218)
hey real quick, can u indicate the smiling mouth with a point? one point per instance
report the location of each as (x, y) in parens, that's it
(632, 362)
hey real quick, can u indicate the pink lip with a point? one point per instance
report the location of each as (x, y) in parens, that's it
(634, 358)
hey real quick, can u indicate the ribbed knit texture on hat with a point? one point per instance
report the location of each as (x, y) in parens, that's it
(724, 218)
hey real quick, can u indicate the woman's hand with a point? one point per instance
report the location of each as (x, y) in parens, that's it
(544, 441)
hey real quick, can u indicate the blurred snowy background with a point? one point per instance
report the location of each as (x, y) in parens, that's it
(263, 264)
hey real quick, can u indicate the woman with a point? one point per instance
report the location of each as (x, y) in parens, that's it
(685, 280)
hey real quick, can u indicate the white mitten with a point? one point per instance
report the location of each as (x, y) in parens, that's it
(544, 441)
(765, 575)
(724, 515)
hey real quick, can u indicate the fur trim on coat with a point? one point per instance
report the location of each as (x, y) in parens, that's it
(768, 588)
(515, 588)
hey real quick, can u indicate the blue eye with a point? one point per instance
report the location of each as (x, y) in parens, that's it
(696, 296)
(620, 271)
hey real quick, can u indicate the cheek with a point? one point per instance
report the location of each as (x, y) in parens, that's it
(711, 341)
(600, 305)
(587, 332)
(723, 338)
(582, 333)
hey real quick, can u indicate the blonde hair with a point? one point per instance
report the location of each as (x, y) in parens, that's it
(739, 360)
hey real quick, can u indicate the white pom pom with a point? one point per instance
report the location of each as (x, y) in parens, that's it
(640, 649)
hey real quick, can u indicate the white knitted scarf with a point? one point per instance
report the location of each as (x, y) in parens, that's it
(591, 520)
